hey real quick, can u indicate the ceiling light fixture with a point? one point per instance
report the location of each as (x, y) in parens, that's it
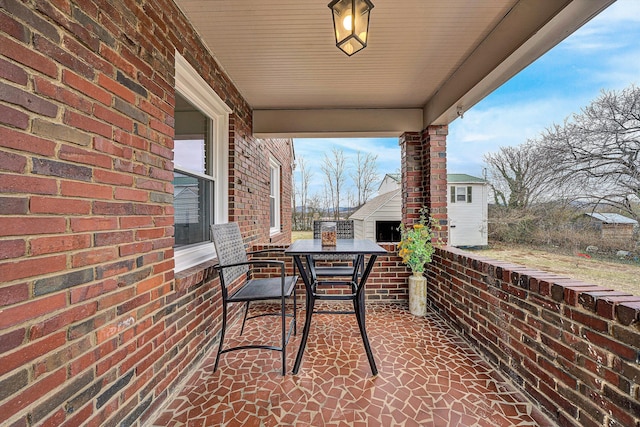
(351, 24)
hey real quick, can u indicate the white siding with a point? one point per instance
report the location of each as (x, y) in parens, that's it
(468, 221)
(388, 184)
(358, 229)
(390, 211)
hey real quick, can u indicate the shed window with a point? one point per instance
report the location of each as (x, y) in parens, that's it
(460, 194)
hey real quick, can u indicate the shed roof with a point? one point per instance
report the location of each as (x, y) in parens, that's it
(458, 178)
(612, 218)
(374, 204)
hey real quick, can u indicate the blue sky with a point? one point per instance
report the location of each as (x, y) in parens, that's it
(603, 54)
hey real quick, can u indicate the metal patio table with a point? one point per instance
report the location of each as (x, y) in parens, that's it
(361, 248)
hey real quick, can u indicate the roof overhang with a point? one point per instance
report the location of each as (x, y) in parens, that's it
(427, 60)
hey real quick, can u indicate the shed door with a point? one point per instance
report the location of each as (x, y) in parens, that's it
(455, 233)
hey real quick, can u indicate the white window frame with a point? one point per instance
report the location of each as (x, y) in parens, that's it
(274, 192)
(465, 191)
(191, 86)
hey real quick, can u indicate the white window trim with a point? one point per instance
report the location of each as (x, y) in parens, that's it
(274, 164)
(193, 88)
(453, 193)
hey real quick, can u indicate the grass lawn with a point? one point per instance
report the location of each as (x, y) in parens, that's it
(297, 235)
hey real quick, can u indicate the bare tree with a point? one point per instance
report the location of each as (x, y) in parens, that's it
(334, 170)
(520, 175)
(303, 191)
(598, 150)
(365, 175)
(351, 201)
(314, 207)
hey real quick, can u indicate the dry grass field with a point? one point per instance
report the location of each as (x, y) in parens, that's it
(622, 276)
(295, 235)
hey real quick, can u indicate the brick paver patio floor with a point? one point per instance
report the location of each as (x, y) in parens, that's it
(428, 376)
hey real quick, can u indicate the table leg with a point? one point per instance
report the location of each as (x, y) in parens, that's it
(359, 307)
(310, 302)
(358, 304)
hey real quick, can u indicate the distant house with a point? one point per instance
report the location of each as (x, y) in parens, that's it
(390, 182)
(612, 225)
(380, 217)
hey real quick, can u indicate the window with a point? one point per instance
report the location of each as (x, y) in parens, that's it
(200, 166)
(387, 231)
(193, 177)
(274, 197)
(461, 194)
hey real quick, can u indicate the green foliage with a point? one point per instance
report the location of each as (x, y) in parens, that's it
(416, 247)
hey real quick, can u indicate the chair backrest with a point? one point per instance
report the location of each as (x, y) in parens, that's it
(344, 228)
(230, 250)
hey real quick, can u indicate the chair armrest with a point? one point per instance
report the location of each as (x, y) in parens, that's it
(262, 251)
(251, 262)
(258, 263)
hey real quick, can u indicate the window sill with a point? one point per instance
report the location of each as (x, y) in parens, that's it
(275, 234)
(193, 256)
(193, 275)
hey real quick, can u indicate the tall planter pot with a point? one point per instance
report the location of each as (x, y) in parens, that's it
(418, 294)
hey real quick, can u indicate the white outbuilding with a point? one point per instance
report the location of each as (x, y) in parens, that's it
(468, 209)
(379, 218)
(467, 196)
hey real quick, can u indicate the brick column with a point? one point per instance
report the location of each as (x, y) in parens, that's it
(424, 175)
(412, 183)
(434, 167)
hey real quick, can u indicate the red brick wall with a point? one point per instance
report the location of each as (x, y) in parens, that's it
(94, 328)
(424, 176)
(434, 167)
(572, 346)
(250, 178)
(411, 155)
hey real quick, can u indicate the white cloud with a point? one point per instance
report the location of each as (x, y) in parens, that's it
(622, 11)
(604, 54)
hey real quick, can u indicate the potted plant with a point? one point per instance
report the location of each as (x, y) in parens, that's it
(416, 249)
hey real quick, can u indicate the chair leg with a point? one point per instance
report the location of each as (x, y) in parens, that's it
(222, 332)
(295, 315)
(244, 319)
(283, 316)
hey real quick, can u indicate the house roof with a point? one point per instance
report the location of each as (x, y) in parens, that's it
(612, 218)
(394, 176)
(374, 205)
(426, 60)
(463, 178)
(451, 178)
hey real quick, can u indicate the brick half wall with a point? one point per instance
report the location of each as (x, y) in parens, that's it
(572, 346)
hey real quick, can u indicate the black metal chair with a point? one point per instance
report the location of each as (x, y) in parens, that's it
(233, 264)
(327, 268)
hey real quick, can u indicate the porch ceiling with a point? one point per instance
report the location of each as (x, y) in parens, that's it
(425, 58)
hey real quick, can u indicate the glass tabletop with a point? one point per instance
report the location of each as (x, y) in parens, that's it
(343, 246)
